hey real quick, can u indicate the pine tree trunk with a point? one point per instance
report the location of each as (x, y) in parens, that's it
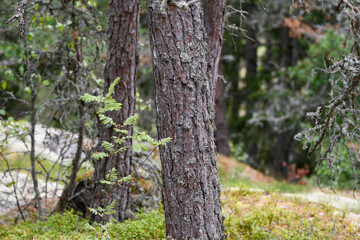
(251, 86)
(222, 135)
(283, 141)
(120, 62)
(214, 13)
(184, 97)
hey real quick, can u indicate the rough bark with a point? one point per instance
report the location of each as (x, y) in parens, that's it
(184, 97)
(120, 62)
(214, 13)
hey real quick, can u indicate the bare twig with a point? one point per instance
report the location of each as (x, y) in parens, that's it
(14, 187)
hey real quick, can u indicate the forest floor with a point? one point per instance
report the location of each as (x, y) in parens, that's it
(255, 206)
(261, 206)
(343, 200)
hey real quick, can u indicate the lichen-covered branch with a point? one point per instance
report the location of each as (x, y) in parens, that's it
(336, 131)
(19, 16)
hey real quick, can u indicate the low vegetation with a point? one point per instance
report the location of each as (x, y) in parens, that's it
(257, 214)
(251, 213)
(147, 225)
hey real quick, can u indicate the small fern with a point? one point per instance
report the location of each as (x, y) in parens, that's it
(99, 155)
(116, 146)
(111, 89)
(90, 98)
(108, 146)
(131, 120)
(142, 136)
(108, 210)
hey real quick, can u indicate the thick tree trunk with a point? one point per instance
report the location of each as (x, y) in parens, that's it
(184, 97)
(120, 62)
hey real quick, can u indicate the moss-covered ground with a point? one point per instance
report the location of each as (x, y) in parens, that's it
(253, 209)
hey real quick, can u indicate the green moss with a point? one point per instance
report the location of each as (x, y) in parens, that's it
(249, 214)
(148, 225)
(58, 226)
(252, 214)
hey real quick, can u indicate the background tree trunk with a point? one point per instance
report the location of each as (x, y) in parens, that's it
(76, 163)
(184, 97)
(283, 140)
(252, 86)
(120, 62)
(214, 13)
(222, 135)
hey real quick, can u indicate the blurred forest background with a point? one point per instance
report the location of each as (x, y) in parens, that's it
(275, 68)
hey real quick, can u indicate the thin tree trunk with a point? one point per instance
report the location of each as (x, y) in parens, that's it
(120, 62)
(33, 122)
(184, 97)
(69, 189)
(251, 86)
(222, 135)
(231, 73)
(283, 141)
(280, 161)
(251, 68)
(33, 116)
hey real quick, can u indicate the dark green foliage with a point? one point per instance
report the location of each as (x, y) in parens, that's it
(309, 69)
